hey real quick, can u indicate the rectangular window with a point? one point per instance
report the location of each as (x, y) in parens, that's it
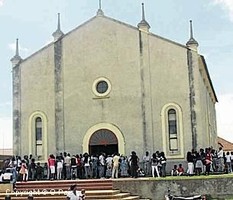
(172, 130)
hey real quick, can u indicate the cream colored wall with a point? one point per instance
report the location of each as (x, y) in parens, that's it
(37, 89)
(170, 85)
(207, 119)
(105, 48)
(102, 48)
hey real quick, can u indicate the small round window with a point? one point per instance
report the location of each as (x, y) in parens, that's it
(101, 87)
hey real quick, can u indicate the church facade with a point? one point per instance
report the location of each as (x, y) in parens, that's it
(107, 86)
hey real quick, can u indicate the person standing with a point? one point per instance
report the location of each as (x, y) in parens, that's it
(134, 164)
(221, 159)
(51, 164)
(163, 161)
(124, 166)
(59, 168)
(67, 162)
(208, 161)
(190, 161)
(154, 165)
(101, 165)
(24, 171)
(115, 168)
(147, 163)
(228, 162)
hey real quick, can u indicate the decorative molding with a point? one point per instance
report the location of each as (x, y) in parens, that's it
(180, 134)
(112, 128)
(31, 133)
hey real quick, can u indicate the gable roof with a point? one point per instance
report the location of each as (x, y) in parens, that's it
(108, 18)
(226, 145)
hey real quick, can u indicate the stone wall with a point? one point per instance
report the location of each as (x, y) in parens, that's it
(156, 189)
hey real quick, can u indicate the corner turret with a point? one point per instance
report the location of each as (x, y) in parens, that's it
(192, 43)
(58, 33)
(143, 24)
(16, 59)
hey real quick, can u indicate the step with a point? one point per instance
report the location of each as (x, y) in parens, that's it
(65, 185)
(98, 194)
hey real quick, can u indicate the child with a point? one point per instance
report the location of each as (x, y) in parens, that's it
(141, 173)
(174, 171)
(180, 170)
(24, 171)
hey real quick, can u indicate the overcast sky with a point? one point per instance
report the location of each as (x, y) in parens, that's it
(33, 22)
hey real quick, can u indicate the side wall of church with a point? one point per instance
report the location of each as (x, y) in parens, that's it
(207, 122)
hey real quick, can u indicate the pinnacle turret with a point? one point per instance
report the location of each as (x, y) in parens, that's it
(192, 43)
(143, 24)
(58, 33)
(16, 59)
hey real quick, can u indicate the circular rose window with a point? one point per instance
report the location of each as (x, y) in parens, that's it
(101, 87)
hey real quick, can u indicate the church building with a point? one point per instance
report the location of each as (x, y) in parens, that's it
(107, 86)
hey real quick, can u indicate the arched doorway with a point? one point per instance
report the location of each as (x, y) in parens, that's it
(103, 140)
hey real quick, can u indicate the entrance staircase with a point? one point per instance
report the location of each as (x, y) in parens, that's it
(56, 190)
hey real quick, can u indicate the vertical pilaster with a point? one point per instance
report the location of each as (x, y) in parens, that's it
(59, 103)
(192, 98)
(146, 106)
(145, 91)
(16, 78)
(16, 84)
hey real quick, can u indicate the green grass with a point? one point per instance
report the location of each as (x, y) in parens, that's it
(214, 176)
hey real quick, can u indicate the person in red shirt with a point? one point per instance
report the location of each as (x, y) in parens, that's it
(51, 164)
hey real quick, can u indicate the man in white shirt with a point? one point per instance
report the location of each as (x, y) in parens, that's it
(115, 167)
(221, 159)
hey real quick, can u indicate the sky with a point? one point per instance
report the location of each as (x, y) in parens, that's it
(33, 22)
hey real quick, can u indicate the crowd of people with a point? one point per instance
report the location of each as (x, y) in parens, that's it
(209, 160)
(79, 166)
(85, 166)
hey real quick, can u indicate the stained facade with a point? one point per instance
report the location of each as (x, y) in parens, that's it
(109, 86)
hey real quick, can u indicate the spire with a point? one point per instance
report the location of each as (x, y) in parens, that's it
(58, 33)
(100, 11)
(143, 12)
(16, 59)
(143, 23)
(192, 42)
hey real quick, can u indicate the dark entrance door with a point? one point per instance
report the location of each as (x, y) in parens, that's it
(103, 140)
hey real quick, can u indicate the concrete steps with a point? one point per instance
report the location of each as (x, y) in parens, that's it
(56, 190)
(64, 185)
(93, 194)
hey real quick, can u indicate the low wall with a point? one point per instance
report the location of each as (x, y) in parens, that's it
(6, 187)
(155, 189)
